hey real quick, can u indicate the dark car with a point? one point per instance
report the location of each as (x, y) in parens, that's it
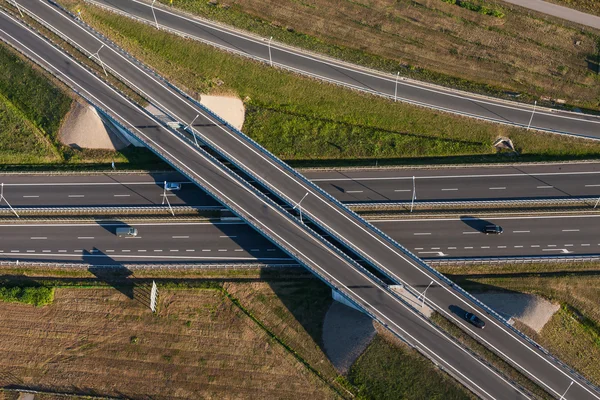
(475, 320)
(493, 229)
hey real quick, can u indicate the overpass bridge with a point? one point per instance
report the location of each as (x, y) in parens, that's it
(350, 231)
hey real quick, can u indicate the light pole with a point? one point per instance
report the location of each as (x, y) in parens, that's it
(414, 195)
(423, 294)
(396, 87)
(18, 8)
(533, 112)
(97, 55)
(563, 396)
(270, 58)
(3, 198)
(190, 125)
(152, 7)
(299, 206)
(165, 197)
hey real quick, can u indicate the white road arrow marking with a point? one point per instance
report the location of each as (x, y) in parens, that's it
(439, 253)
(564, 251)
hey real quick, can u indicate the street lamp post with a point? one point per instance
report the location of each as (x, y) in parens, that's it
(191, 125)
(533, 112)
(423, 294)
(18, 8)
(97, 55)
(563, 396)
(299, 206)
(270, 58)
(152, 7)
(396, 87)
(414, 195)
(3, 198)
(165, 198)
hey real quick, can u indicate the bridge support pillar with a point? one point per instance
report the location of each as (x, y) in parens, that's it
(341, 299)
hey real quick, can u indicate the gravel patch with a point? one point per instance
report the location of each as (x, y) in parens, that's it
(534, 311)
(346, 334)
(83, 128)
(231, 109)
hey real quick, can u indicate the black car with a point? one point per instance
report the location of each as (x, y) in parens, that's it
(493, 229)
(475, 320)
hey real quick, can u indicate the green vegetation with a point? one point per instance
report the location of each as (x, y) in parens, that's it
(476, 7)
(494, 50)
(32, 108)
(389, 370)
(21, 141)
(34, 295)
(309, 122)
(41, 102)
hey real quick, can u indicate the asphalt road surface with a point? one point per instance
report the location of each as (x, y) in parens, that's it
(522, 236)
(291, 235)
(355, 77)
(205, 241)
(559, 11)
(373, 247)
(548, 181)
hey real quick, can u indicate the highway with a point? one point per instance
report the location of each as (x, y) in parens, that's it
(262, 214)
(547, 181)
(370, 244)
(522, 236)
(156, 242)
(236, 241)
(358, 78)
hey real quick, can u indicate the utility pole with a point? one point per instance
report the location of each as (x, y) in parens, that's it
(270, 58)
(423, 294)
(396, 87)
(191, 125)
(152, 7)
(533, 112)
(414, 195)
(97, 55)
(299, 206)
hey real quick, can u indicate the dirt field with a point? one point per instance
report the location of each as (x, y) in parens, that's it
(100, 341)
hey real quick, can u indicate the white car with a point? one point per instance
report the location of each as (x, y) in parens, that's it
(173, 186)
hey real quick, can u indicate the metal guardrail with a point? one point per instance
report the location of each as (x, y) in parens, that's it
(116, 209)
(283, 197)
(508, 202)
(520, 260)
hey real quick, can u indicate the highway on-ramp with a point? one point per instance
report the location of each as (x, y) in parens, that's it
(356, 77)
(290, 235)
(370, 244)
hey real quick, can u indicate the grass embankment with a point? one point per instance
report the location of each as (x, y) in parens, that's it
(388, 369)
(573, 333)
(288, 305)
(300, 119)
(32, 108)
(477, 45)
